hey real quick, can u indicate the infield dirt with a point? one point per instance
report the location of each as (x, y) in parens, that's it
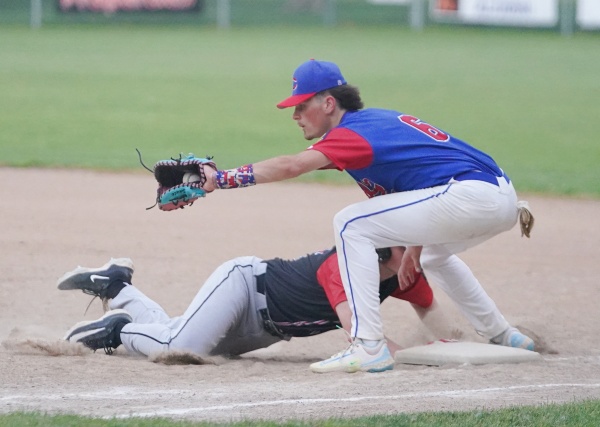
(54, 220)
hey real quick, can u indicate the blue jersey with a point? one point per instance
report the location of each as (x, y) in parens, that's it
(387, 151)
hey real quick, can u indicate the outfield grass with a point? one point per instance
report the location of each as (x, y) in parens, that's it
(583, 414)
(87, 96)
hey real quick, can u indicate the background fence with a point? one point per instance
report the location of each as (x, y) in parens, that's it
(222, 13)
(566, 16)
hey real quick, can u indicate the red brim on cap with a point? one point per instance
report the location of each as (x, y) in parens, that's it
(294, 100)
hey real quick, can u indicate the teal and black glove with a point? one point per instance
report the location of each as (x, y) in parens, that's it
(180, 181)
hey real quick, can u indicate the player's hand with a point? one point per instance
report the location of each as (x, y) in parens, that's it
(410, 264)
(209, 185)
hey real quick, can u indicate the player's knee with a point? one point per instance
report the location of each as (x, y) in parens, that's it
(431, 261)
(344, 219)
(434, 256)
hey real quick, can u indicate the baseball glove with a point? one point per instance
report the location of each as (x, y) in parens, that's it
(180, 181)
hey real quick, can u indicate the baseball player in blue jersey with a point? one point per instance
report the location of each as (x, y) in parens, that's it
(427, 190)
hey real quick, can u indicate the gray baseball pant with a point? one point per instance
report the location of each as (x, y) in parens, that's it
(223, 318)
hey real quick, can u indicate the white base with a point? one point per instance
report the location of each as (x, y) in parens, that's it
(455, 352)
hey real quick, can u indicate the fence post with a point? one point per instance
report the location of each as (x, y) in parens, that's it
(329, 14)
(567, 17)
(35, 18)
(223, 14)
(417, 14)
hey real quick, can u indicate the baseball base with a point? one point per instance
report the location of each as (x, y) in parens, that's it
(443, 352)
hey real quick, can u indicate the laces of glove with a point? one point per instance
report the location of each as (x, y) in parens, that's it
(149, 170)
(142, 162)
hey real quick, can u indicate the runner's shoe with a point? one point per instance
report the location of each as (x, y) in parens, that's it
(95, 281)
(358, 357)
(512, 337)
(102, 333)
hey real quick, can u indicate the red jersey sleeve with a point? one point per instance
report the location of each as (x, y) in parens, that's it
(420, 293)
(345, 148)
(328, 276)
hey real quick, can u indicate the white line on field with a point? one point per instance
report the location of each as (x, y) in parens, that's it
(122, 393)
(448, 393)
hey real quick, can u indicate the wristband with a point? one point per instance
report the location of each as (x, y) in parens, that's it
(235, 178)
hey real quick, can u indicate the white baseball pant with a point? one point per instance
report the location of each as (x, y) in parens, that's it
(445, 220)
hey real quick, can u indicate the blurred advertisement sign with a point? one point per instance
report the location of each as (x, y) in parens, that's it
(528, 13)
(111, 6)
(390, 1)
(588, 14)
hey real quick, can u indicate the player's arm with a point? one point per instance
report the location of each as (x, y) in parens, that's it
(287, 167)
(271, 170)
(344, 314)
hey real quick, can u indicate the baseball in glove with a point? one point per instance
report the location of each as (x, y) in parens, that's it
(180, 181)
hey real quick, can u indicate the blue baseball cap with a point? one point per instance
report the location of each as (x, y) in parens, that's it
(310, 78)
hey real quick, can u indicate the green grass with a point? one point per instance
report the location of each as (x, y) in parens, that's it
(582, 414)
(88, 96)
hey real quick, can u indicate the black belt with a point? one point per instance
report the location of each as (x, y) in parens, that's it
(268, 324)
(480, 176)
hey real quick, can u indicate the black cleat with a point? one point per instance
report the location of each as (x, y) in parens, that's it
(102, 333)
(95, 281)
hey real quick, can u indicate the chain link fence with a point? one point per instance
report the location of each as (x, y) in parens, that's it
(221, 13)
